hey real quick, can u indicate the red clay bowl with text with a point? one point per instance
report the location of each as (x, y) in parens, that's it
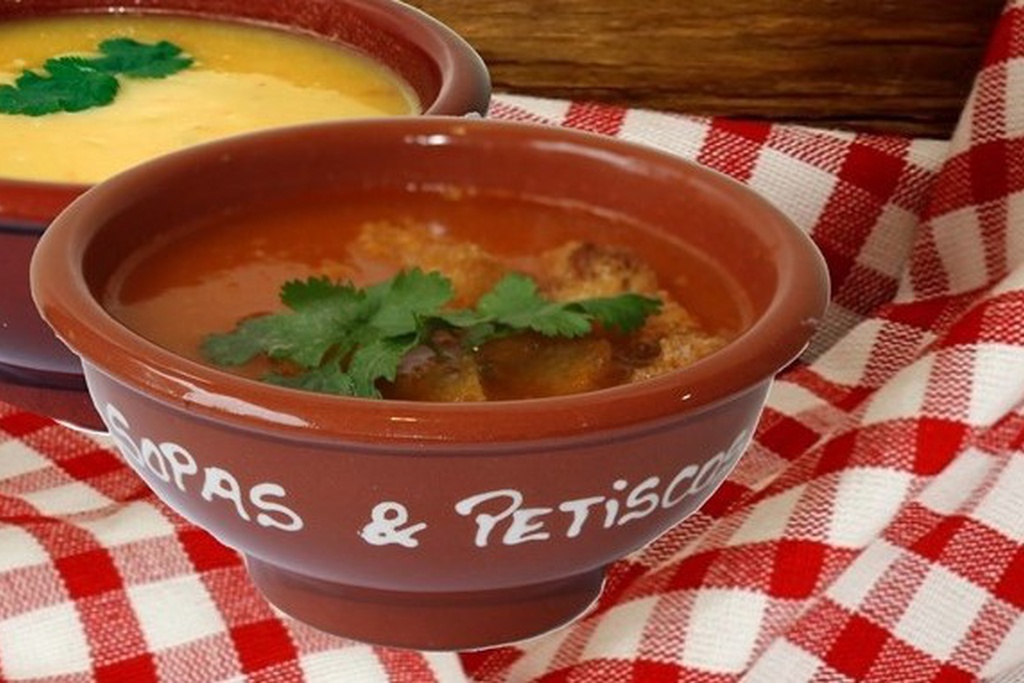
(433, 525)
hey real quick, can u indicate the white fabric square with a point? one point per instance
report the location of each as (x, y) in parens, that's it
(903, 395)
(680, 135)
(888, 247)
(723, 630)
(620, 630)
(792, 399)
(852, 587)
(866, 499)
(997, 382)
(941, 613)
(798, 189)
(446, 667)
(846, 362)
(18, 549)
(768, 519)
(175, 611)
(19, 459)
(137, 521)
(48, 642)
(961, 247)
(69, 499)
(783, 661)
(1002, 508)
(354, 663)
(927, 153)
(957, 482)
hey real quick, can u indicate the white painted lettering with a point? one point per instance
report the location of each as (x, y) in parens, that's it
(179, 461)
(222, 484)
(641, 501)
(523, 528)
(670, 498)
(273, 514)
(485, 522)
(580, 510)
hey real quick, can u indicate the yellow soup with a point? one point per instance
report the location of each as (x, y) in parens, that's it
(244, 77)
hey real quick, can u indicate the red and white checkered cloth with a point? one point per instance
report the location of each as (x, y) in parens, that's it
(874, 530)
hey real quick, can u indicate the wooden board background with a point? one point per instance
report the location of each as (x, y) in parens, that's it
(899, 66)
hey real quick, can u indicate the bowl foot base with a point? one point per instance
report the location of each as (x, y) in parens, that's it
(427, 621)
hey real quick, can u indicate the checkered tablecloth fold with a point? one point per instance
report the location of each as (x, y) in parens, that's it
(874, 530)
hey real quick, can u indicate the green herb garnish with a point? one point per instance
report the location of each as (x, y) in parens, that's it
(343, 339)
(76, 83)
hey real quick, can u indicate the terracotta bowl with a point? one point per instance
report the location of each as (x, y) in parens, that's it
(433, 525)
(444, 71)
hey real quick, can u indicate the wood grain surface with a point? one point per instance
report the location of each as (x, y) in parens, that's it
(900, 66)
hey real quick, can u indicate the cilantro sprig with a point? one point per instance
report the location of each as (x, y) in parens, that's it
(73, 84)
(339, 338)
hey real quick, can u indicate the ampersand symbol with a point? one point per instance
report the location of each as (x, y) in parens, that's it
(386, 526)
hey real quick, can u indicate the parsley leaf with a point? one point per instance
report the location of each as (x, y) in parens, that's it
(515, 304)
(131, 58)
(626, 312)
(67, 85)
(72, 83)
(338, 338)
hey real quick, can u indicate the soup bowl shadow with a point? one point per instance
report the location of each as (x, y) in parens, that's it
(447, 75)
(435, 526)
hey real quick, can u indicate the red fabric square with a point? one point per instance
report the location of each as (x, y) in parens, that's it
(1011, 586)
(476, 662)
(937, 442)
(646, 671)
(89, 573)
(932, 544)
(872, 170)
(1005, 41)
(205, 552)
(857, 647)
(953, 674)
(94, 463)
(788, 437)
(988, 165)
(920, 314)
(141, 668)
(723, 499)
(796, 568)
(19, 424)
(692, 571)
(837, 453)
(262, 644)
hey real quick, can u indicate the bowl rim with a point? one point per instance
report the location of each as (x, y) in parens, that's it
(65, 302)
(465, 85)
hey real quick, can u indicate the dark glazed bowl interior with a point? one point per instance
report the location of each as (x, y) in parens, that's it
(447, 75)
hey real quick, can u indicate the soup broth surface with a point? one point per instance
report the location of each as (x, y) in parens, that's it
(206, 276)
(244, 77)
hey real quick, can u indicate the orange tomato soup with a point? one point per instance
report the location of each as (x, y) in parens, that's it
(213, 273)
